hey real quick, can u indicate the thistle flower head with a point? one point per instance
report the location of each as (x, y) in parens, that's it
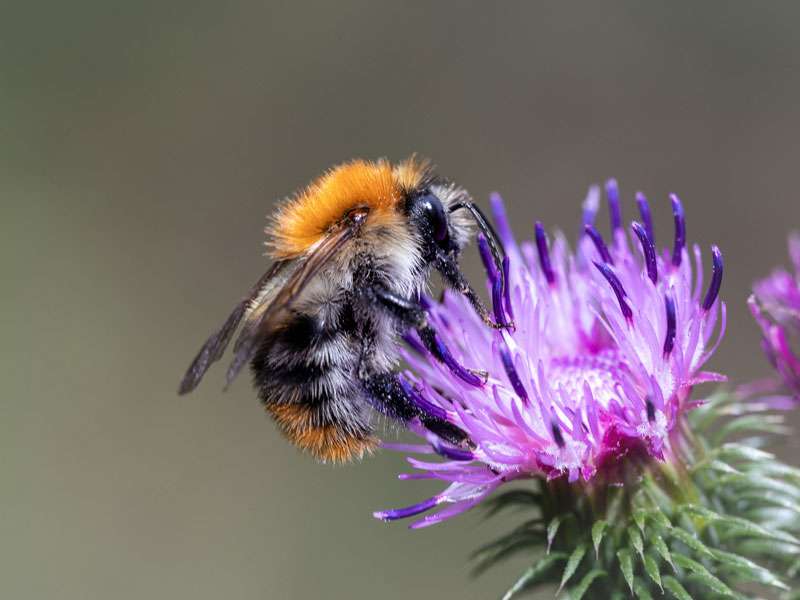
(775, 304)
(606, 345)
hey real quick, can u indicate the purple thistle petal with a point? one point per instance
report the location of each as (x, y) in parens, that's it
(497, 301)
(414, 343)
(591, 410)
(619, 291)
(447, 513)
(775, 305)
(558, 437)
(698, 267)
(591, 205)
(439, 467)
(507, 288)
(501, 221)
(424, 405)
(602, 249)
(519, 420)
(647, 219)
(453, 453)
(651, 410)
(578, 430)
(794, 250)
(410, 448)
(648, 249)
(451, 363)
(511, 373)
(408, 511)
(614, 210)
(416, 476)
(486, 257)
(716, 279)
(669, 339)
(680, 230)
(544, 253)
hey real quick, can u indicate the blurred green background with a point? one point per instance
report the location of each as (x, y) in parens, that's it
(143, 143)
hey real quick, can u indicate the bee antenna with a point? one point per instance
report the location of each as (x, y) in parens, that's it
(495, 245)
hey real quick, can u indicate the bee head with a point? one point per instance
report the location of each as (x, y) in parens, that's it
(433, 212)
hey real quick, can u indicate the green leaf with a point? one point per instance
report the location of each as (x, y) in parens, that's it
(642, 592)
(691, 541)
(572, 564)
(794, 569)
(615, 504)
(755, 481)
(778, 469)
(639, 516)
(776, 550)
(533, 574)
(706, 415)
(722, 467)
(742, 525)
(552, 529)
(763, 497)
(676, 589)
(751, 423)
(579, 590)
(747, 569)
(651, 567)
(626, 566)
(661, 548)
(659, 519)
(703, 575)
(657, 495)
(771, 516)
(636, 540)
(598, 529)
(742, 452)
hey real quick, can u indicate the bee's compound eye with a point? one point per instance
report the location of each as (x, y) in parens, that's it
(431, 207)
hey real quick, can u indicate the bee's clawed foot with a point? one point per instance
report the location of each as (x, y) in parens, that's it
(480, 373)
(509, 325)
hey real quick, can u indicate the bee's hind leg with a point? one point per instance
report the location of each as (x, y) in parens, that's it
(413, 315)
(395, 396)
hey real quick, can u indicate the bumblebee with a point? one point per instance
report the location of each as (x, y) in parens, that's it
(352, 254)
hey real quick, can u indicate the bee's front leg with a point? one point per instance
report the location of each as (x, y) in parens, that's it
(454, 278)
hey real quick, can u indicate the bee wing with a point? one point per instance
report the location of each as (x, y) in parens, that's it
(262, 319)
(216, 343)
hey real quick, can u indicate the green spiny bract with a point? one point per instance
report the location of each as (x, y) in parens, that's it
(722, 524)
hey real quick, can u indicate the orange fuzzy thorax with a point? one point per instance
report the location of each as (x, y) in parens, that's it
(304, 219)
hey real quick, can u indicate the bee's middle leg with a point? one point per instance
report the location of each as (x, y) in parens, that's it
(413, 315)
(392, 395)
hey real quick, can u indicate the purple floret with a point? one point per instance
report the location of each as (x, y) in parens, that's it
(607, 344)
(775, 304)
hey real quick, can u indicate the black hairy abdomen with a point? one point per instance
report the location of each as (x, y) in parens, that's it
(314, 362)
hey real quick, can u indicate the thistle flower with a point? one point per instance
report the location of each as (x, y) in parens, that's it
(597, 370)
(775, 304)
